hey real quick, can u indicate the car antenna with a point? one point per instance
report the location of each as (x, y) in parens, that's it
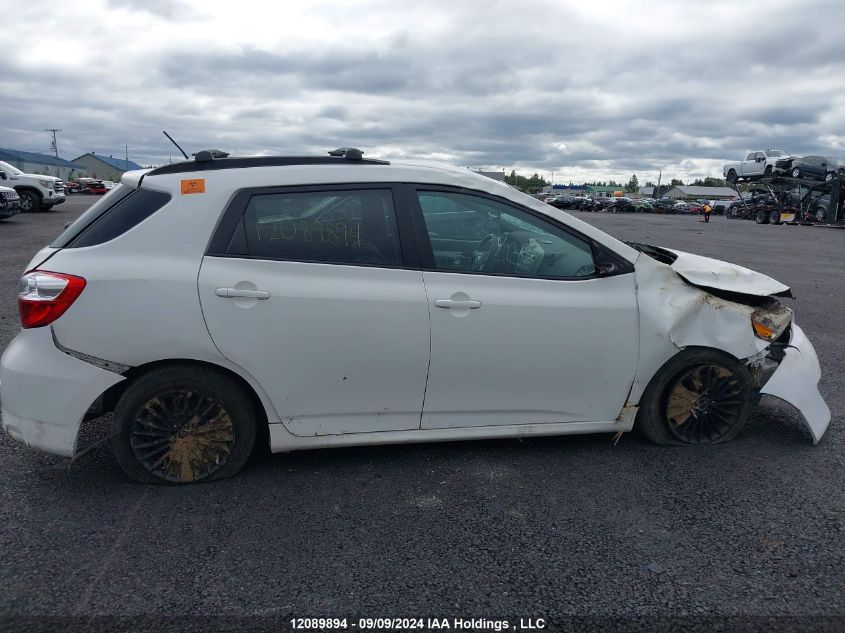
(176, 144)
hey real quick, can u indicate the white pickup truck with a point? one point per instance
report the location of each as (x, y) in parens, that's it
(36, 191)
(756, 165)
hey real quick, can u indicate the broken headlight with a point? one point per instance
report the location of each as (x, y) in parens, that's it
(770, 321)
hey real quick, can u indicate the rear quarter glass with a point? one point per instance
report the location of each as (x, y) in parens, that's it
(94, 212)
(120, 217)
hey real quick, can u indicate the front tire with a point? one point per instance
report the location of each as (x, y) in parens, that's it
(762, 217)
(700, 396)
(796, 173)
(182, 424)
(30, 201)
(731, 177)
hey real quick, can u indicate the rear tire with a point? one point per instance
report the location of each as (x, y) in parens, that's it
(731, 178)
(700, 396)
(762, 217)
(767, 173)
(183, 424)
(774, 217)
(796, 173)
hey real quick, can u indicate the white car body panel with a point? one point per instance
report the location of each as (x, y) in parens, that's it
(339, 349)
(536, 351)
(46, 392)
(675, 315)
(707, 272)
(796, 382)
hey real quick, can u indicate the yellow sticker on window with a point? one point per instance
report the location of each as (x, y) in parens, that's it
(194, 185)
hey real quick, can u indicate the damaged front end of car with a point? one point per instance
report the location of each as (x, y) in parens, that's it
(707, 303)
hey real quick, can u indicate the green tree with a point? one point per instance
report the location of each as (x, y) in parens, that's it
(676, 183)
(633, 185)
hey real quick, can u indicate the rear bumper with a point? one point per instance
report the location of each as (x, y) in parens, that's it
(45, 393)
(796, 381)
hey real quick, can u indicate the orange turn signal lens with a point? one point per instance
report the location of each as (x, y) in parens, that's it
(763, 331)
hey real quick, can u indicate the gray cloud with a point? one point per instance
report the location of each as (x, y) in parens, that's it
(591, 90)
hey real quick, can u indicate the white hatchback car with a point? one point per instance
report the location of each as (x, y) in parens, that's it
(330, 301)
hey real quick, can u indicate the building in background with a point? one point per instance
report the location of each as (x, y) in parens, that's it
(44, 164)
(646, 191)
(599, 191)
(705, 193)
(105, 167)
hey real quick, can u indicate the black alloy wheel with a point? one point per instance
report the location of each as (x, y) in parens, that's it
(703, 404)
(182, 436)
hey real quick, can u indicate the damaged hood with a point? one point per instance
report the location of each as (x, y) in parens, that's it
(714, 274)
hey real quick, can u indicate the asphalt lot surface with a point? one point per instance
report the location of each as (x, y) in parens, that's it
(557, 527)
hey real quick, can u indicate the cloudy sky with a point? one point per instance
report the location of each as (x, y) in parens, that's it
(588, 89)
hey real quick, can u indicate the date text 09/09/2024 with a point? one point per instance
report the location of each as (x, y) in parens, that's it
(420, 624)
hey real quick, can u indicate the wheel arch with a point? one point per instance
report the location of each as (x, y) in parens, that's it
(108, 400)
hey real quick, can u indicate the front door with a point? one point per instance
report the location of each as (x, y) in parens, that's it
(311, 297)
(524, 330)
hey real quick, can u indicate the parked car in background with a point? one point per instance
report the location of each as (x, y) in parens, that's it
(818, 167)
(35, 191)
(108, 184)
(783, 166)
(164, 309)
(756, 165)
(681, 207)
(665, 205)
(581, 203)
(95, 187)
(622, 205)
(562, 201)
(10, 203)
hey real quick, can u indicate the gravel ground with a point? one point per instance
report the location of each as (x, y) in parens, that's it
(746, 536)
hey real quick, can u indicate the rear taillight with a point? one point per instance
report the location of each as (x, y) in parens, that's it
(44, 296)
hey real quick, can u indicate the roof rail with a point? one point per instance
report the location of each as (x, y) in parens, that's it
(349, 153)
(209, 154)
(212, 163)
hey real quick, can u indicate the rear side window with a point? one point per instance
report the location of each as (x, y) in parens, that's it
(127, 213)
(335, 227)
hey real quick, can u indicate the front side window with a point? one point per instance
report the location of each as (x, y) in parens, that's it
(337, 227)
(469, 233)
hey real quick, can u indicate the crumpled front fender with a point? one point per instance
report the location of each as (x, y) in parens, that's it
(796, 381)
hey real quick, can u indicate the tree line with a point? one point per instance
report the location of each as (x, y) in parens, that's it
(537, 183)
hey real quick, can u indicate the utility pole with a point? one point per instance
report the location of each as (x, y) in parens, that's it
(55, 147)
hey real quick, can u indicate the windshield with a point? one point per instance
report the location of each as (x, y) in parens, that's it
(9, 168)
(774, 153)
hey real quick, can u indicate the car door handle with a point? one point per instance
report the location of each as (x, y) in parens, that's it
(458, 303)
(240, 292)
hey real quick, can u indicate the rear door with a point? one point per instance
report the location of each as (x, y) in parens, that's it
(524, 330)
(311, 291)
